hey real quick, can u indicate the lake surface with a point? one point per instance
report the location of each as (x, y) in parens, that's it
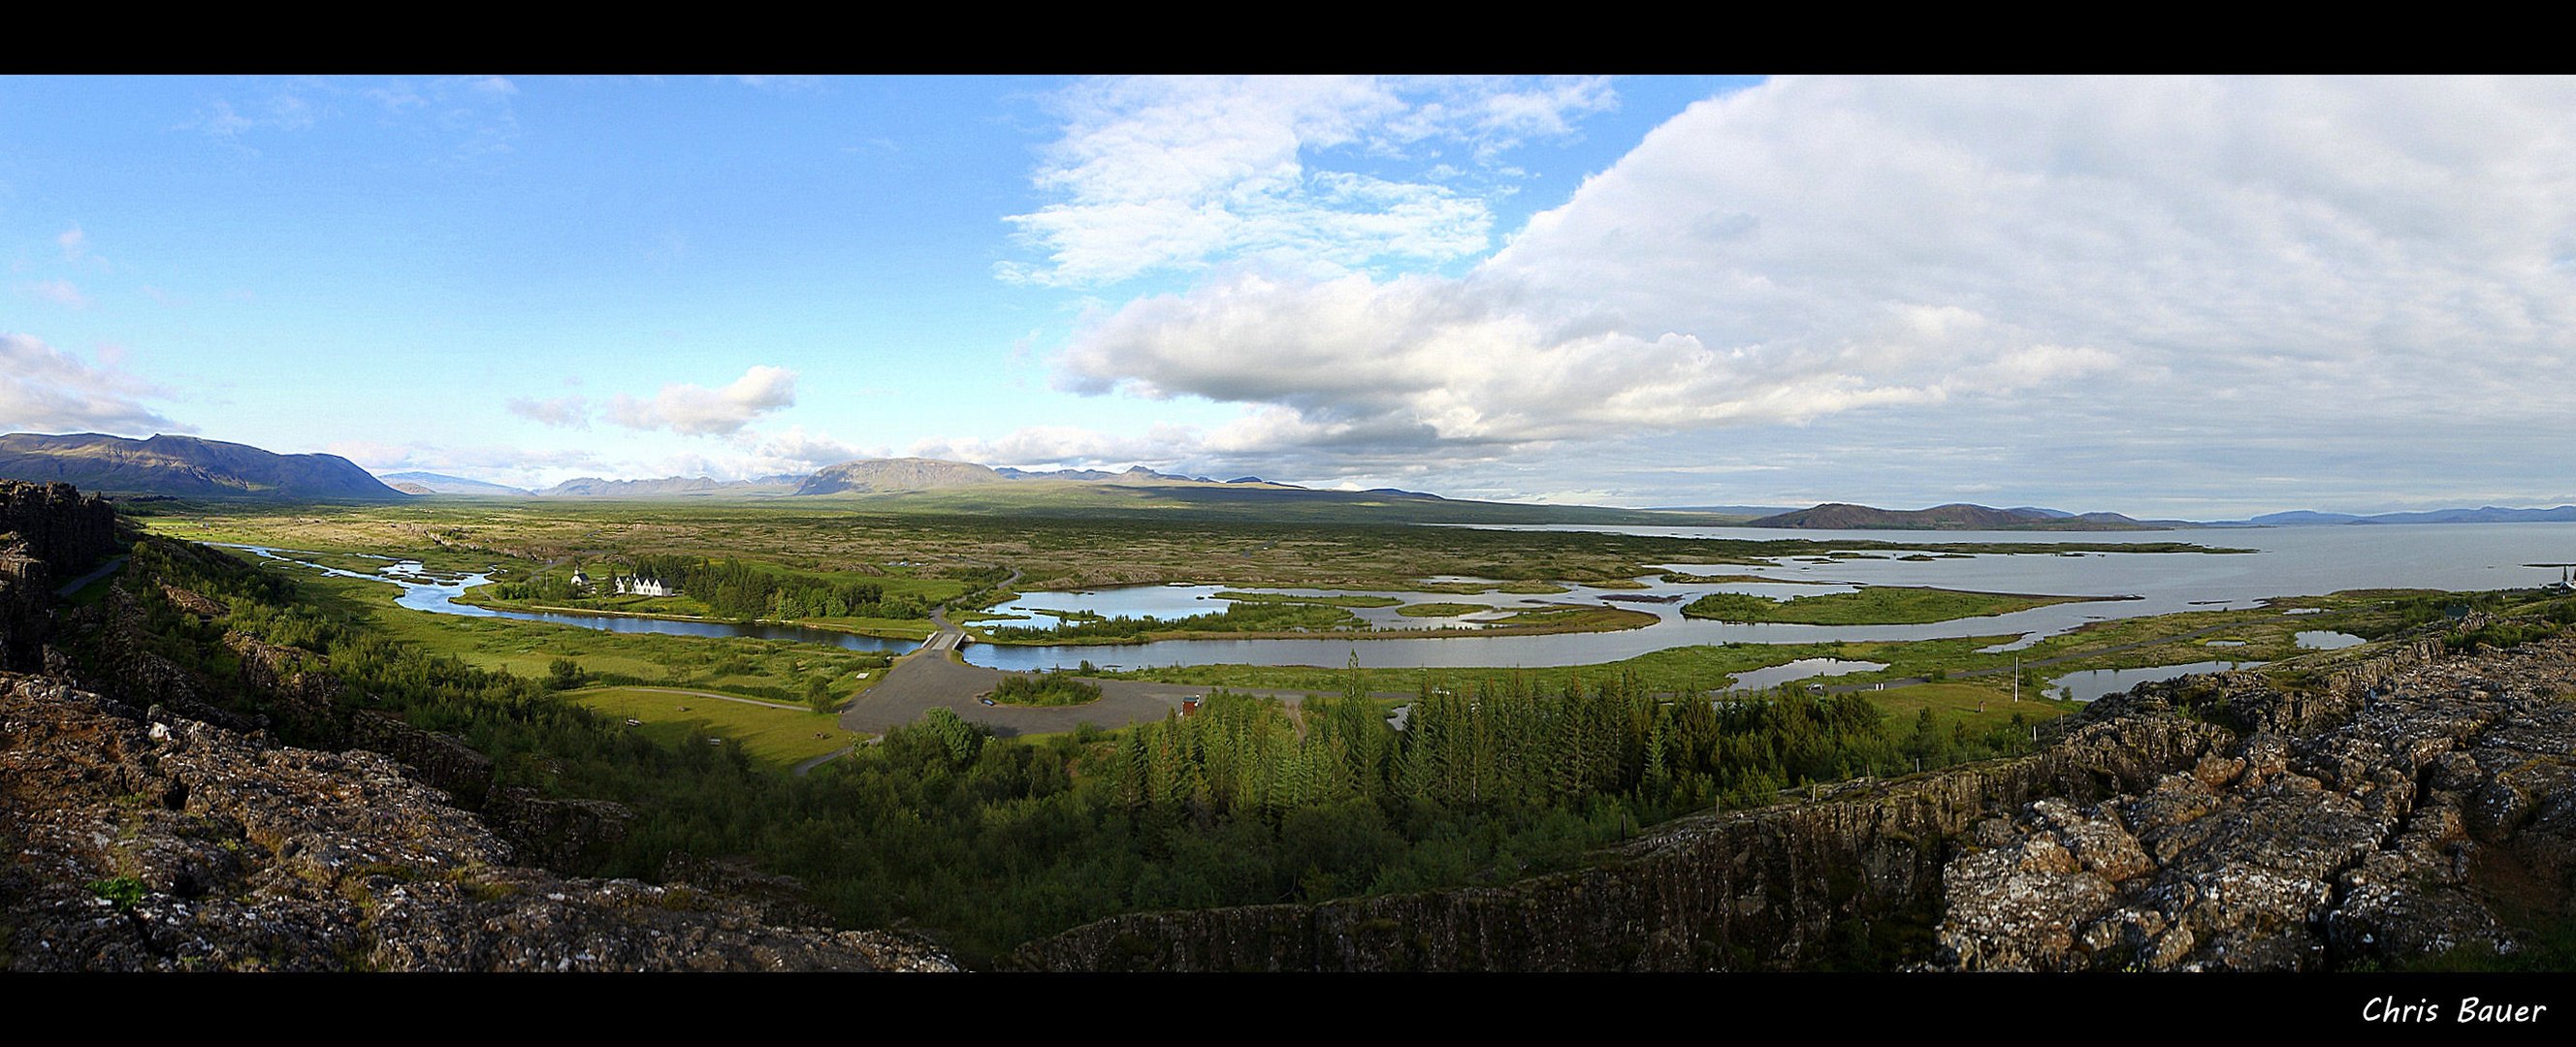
(2094, 683)
(2287, 561)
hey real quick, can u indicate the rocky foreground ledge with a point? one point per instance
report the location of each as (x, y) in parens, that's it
(140, 840)
(2432, 810)
(2393, 805)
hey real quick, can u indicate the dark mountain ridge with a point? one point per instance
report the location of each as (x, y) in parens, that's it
(184, 465)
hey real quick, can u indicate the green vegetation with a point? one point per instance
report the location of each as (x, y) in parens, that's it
(125, 892)
(2496, 619)
(727, 589)
(985, 843)
(1045, 689)
(910, 547)
(1242, 617)
(773, 736)
(1875, 605)
(1573, 618)
(775, 670)
(1332, 601)
(1440, 610)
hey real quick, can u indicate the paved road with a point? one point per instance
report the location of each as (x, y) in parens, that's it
(808, 766)
(103, 571)
(930, 678)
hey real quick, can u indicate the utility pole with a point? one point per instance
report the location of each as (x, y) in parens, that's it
(2016, 679)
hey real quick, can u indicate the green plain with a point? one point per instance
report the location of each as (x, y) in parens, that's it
(775, 738)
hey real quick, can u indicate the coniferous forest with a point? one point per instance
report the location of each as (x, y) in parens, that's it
(984, 842)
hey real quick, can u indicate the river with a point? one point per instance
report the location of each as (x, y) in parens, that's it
(2287, 561)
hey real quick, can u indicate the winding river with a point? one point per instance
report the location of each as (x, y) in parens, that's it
(2287, 561)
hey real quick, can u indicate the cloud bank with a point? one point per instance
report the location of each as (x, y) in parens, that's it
(2170, 272)
(695, 410)
(1170, 174)
(43, 389)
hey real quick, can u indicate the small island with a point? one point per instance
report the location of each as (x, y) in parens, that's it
(1875, 605)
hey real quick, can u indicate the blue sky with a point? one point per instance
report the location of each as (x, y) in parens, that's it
(2170, 297)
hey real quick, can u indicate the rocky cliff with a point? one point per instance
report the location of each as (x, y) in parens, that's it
(49, 533)
(152, 822)
(2399, 813)
(146, 841)
(2383, 812)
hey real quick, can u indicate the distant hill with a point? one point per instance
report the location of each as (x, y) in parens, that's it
(441, 483)
(1269, 503)
(672, 487)
(2485, 514)
(1008, 473)
(868, 475)
(1842, 516)
(184, 465)
(1749, 511)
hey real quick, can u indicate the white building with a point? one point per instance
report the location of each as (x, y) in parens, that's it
(631, 585)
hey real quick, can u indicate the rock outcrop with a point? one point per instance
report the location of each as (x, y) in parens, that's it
(2393, 807)
(48, 534)
(160, 827)
(2393, 815)
(146, 841)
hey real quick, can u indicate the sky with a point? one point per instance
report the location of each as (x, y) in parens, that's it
(2184, 297)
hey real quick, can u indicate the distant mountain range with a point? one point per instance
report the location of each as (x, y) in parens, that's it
(673, 487)
(1954, 517)
(441, 483)
(190, 467)
(184, 465)
(875, 475)
(2488, 514)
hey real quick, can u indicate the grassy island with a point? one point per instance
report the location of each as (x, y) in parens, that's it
(1876, 605)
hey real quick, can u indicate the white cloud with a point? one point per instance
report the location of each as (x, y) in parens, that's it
(562, 412)
(2218, 262)
(43, 389)
(1050, 446)
(75, 246)
(283, 111)
(515, 466)
(59, 292)
(1175, 173)
(797, 450)
(787, 84)
(694, 410)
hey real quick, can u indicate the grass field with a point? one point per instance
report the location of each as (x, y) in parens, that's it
(775, 738)
(1440, 610)
(1875, 605)
(930, 554)
(778, 670)
(899, 539)
(1335, 601)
